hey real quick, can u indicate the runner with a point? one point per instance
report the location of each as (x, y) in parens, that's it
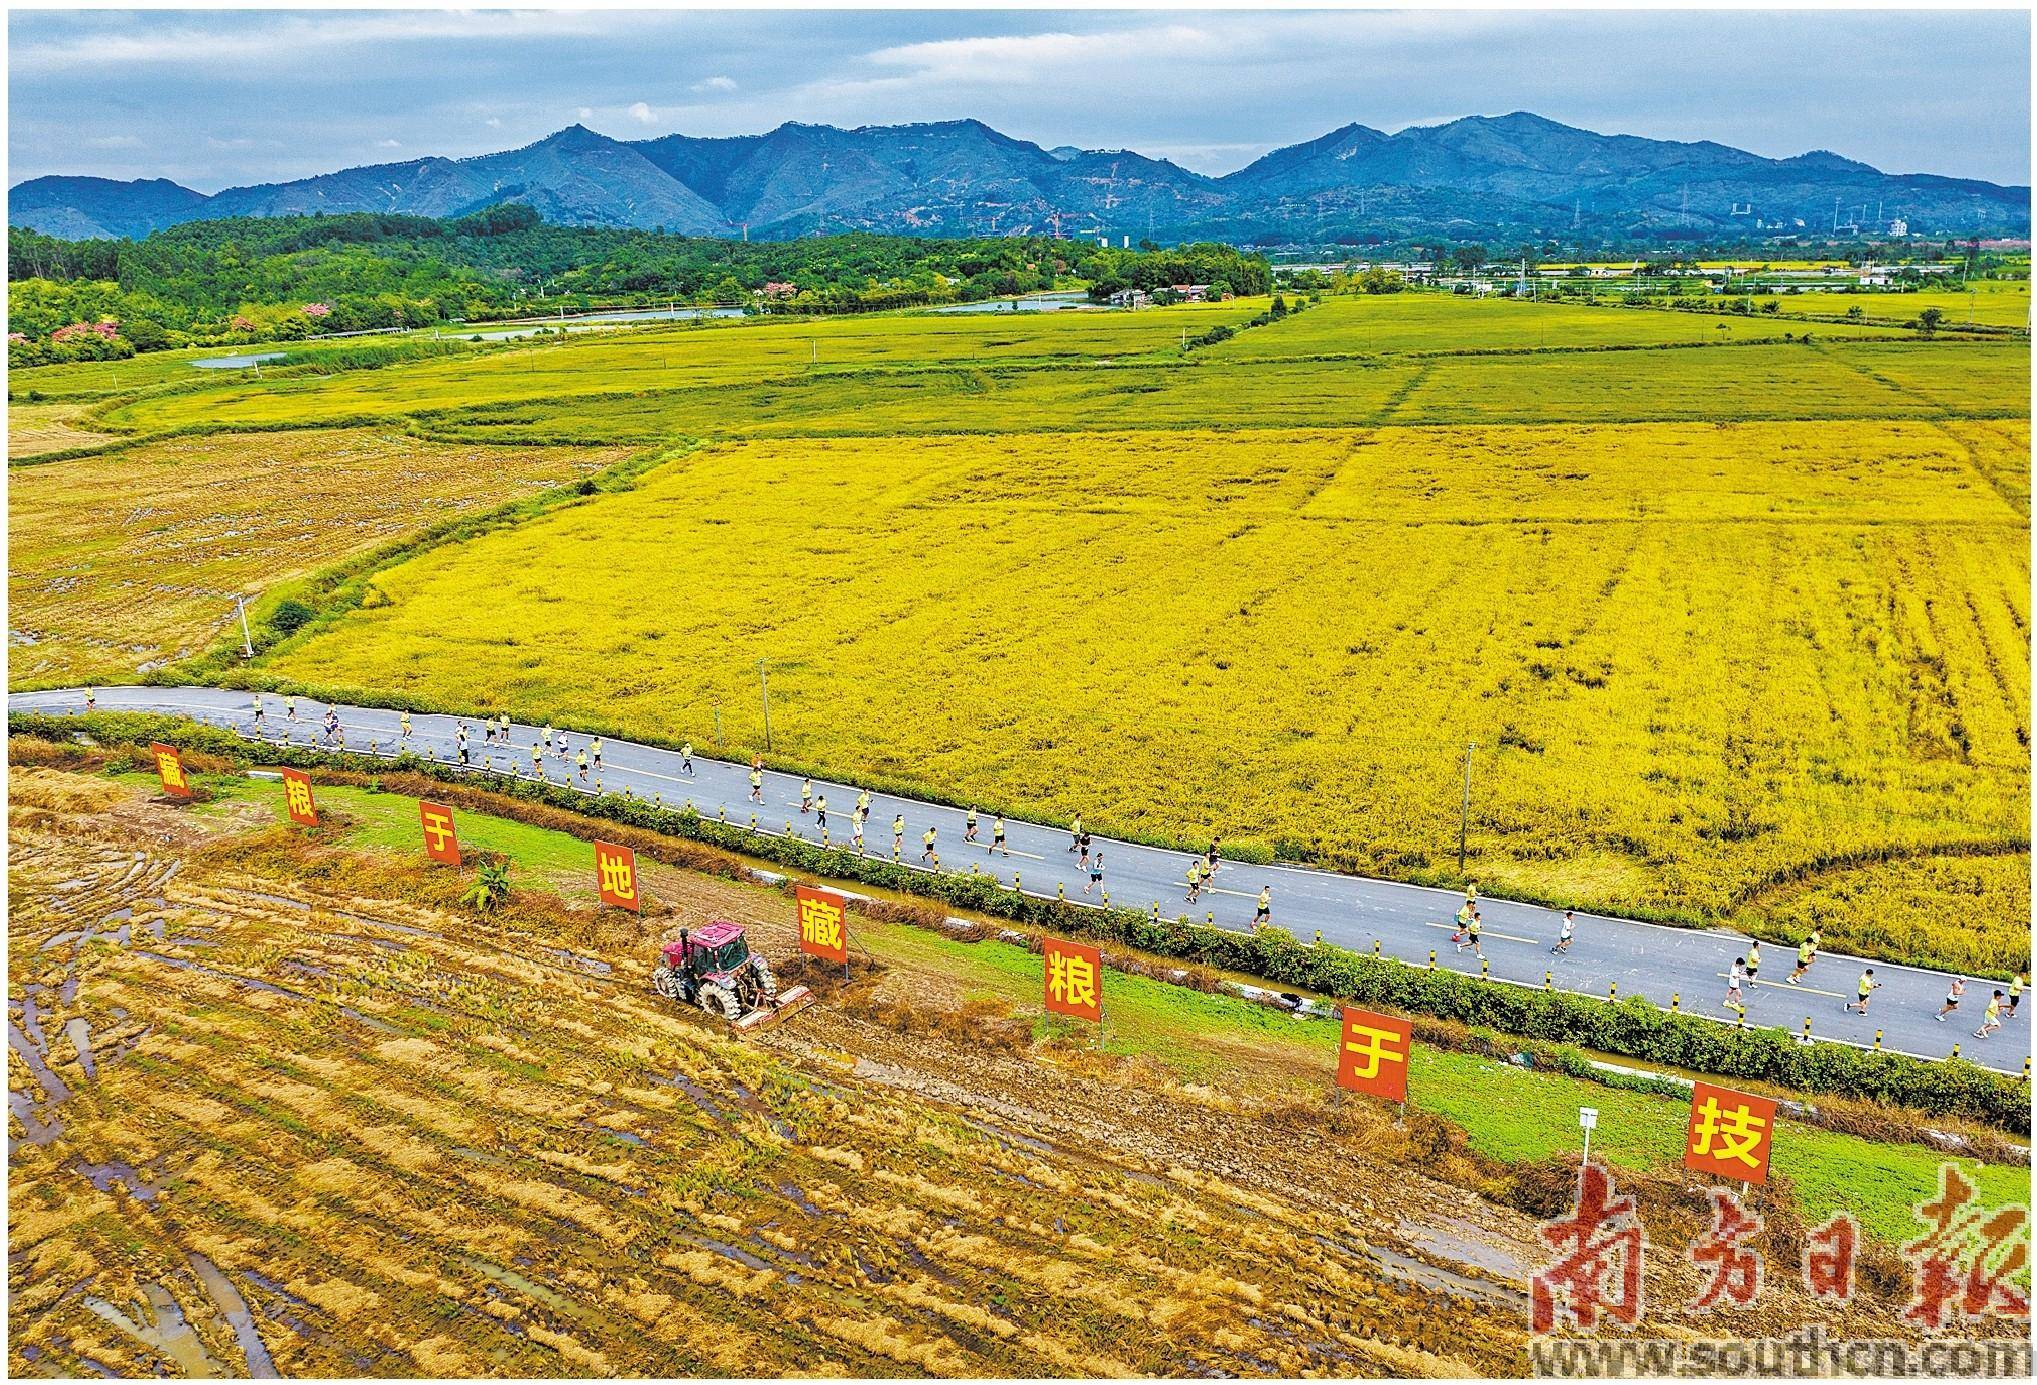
(548, 735)
(332, 726)
(897, 835)
(1264, 915)
(2016, 992)
(1210, 856)
(997, 835)
(597, 754)
(1464, 915)
(258, 709)
(686, 758)
(1868, 986)
(1075, 832)
(1082, 861)
(1095, 872)
(505, 728)
(805, 797)
(537, 761)
(856, 826)
(461, 738)
(1471, 896)
(1807, 953)
(1563, 938)
(290, 707)
(863, 805)
(91, 699)
(927, 847)
(1991, 1018)
(581, 759)
(820, 811)
(1753, 959)
(969, 826)
(1471, 931)
(1952, 998)
(404, 720)
(756, 785)
(1734, 980)
(1195, 869)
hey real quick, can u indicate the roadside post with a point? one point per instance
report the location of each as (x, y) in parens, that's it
(1587, 1119)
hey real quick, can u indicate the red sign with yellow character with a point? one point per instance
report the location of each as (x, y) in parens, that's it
(439, 842)
(1074, 979)
(1730, 1133)
(1372, 1058)
(615, 876)
(297, 799)
(822, 928)
(170, 765)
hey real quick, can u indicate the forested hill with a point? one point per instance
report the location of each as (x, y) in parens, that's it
(264, 278)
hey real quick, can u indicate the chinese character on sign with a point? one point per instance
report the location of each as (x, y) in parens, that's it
(1074, 979)
(1599, 1265)
(1828, 1259)
(439, 842)
(297, 798)
(1994, 1245)
(615, 875)
(1373, 1057)
(170, 765)
(821, 930)
(1729, 1133)
(1736, 1269)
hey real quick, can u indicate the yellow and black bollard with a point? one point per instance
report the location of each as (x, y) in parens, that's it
(1432, 959)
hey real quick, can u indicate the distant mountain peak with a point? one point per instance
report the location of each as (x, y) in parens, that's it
(1500, 178)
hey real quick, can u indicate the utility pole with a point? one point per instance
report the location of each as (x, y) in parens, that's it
(247, 641)
(1464, 816)
(764, 686)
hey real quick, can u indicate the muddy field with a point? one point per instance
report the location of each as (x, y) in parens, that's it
(279, 1108)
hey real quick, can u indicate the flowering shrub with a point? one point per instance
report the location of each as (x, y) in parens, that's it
(106, 330)
(317, 310)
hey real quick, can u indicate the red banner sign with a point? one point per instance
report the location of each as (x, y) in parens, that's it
(439, 841)
(1373, 1057)
(1074, 974)
(170, 765)
(1730, 1133)
(615, 876)
(297, 800)
(823, 923)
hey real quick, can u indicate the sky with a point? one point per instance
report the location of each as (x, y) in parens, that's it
(222, 98)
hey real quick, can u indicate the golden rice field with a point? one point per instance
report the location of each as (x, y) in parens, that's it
(120, 563)
(1991, 303)
(1697, 659)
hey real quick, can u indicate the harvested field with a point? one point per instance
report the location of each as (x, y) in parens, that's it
(282, 1106)
(121, 563)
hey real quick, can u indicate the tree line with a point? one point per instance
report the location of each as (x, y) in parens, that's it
(278, 278)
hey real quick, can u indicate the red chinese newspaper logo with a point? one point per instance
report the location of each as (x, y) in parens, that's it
(822, 923)
(1730, 1133)
(1966, 1264)
(170, 766)
(439, 842)
(1598, 1264)
(615, 876)
(1828, 1259)
(1373, 1056)
(297, 801)
(1074, 979)
(1735, 1267)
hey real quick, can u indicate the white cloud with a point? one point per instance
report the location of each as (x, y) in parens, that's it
(641, 113)
(493, 122)
(114, 142)
(232, 40)
(583, 113)
(388, 144)
(715, 84)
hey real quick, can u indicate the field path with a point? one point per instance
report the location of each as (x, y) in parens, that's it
(1404, 921)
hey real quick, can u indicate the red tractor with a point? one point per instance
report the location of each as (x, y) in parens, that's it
(714, 968)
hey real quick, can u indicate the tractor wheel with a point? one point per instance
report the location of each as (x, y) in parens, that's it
(666, 983)
(767, 989)
(712, 998)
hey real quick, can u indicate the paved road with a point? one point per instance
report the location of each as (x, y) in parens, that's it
(1403, 921)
